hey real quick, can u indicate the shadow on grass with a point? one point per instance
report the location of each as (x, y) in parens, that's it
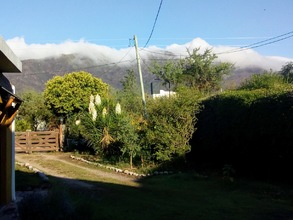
(177, 196)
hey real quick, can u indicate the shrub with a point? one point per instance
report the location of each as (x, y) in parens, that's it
(250, 130)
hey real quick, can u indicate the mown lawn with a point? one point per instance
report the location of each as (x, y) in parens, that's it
(27, 179)
(177, 196)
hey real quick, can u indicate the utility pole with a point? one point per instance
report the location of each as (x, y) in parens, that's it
(140, 75)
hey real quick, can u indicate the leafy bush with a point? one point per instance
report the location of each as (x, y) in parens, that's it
(250, 130)
(171, 123)
(267, 80)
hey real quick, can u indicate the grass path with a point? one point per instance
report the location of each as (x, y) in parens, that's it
(62, 166)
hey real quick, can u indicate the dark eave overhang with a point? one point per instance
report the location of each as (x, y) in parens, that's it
(9, 62)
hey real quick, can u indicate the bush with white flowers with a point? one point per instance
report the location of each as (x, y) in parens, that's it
(108, 130)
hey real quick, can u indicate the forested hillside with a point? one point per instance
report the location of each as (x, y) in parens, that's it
(36, 72)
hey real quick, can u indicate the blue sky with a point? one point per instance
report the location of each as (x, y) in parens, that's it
(111, 23)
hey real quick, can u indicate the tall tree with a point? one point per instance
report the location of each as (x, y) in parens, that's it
(129, 96)
(197, 70)
(32, 112)
(70, 94)
(171, 72)
(200, 70)
(287, 72)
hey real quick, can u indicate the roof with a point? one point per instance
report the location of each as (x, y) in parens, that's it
(9, 62)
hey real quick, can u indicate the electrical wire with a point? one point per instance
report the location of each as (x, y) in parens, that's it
(247, 47)
(260, 43)
(121, 60)
(154, 24)
(166, 53)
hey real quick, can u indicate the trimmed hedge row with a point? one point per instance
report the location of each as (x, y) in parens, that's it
(250, 130)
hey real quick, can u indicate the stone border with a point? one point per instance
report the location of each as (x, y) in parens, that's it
(117, 170)
(120, 170)
(41, 174)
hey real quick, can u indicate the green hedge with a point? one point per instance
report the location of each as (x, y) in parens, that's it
(250, 130)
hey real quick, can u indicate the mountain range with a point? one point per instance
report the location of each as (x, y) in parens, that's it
(36, 72)
(41, 62)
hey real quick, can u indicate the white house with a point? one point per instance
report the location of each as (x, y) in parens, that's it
(164, 93)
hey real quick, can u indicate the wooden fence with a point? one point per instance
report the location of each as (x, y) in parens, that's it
(31, 141)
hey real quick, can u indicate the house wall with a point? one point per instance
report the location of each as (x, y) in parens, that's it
(9, 63)
(6, 190)
(164, 93)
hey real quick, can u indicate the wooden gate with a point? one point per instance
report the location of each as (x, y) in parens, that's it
(31, 141)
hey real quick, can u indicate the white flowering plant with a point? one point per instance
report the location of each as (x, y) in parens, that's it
(108, 130)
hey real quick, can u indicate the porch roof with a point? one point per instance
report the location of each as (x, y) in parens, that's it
(9, 62)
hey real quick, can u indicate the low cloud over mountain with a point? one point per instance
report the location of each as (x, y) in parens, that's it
(43, 61)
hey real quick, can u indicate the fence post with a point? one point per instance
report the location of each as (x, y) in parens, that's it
(58, 148)
(28, 142)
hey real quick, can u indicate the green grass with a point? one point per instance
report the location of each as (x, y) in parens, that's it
(26, 179)
(178, 196)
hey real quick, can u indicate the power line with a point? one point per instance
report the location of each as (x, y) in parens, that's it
(166, 52)
(247, 47)
(261, 43)
(121, 60)
(154, 24)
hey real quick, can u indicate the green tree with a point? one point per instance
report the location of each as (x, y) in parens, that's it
(32, 112)
(69, 94)
(287, 72)
(197, 70)
(171, 72)
(200, 70)
(130, 97)
(125, 133)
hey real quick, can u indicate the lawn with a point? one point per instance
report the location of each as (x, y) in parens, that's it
(27, 179)
(177, 196)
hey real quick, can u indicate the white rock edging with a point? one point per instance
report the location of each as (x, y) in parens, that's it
(120, 170)
(41, 174)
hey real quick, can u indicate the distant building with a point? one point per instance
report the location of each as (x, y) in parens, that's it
(164, 93)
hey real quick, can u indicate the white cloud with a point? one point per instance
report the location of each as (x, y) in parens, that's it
(239, 57)
(104, 55)
(39, 51)
(250, 57)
